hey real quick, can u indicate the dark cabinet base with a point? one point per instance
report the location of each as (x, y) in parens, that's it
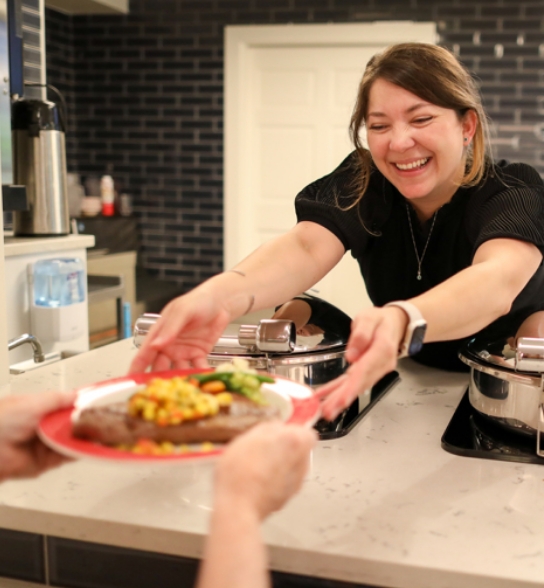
(81, 564)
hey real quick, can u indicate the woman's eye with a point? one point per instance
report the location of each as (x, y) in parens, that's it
(377, 127)
(423, 119)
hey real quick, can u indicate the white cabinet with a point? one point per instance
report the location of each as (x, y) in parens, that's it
(89, 6)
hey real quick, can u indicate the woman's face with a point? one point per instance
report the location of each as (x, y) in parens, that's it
(418, 147)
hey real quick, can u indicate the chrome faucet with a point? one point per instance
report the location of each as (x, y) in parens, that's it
(33, 341)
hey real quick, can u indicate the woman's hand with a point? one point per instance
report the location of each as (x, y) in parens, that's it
(22, 454)
(372, 351)
(185, 334)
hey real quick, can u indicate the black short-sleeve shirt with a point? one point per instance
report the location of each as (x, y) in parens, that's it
(509, 203)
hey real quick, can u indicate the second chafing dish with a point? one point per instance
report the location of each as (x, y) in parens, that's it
(507, 385)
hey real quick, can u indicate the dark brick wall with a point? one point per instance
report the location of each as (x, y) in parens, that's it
(145, 93)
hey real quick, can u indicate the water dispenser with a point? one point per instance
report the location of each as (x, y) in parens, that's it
(57, 298)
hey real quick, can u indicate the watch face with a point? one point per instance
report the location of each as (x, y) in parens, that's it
(416, 343)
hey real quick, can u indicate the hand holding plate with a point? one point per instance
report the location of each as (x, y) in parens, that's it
(263, 468)
(22, 454)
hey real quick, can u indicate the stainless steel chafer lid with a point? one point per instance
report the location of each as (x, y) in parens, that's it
(499, 359)
(271, 337)
(274, 337)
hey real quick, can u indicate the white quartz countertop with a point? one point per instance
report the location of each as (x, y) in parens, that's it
(28, 245)
(384, 505)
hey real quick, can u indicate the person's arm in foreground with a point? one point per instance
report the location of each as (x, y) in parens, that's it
(459, 307)
(256, 476)
(22, 454)
(191, 324)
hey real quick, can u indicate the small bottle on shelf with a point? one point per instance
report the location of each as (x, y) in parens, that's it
(107, 193)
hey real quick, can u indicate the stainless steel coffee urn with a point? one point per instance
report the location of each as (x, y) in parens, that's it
(39, 163)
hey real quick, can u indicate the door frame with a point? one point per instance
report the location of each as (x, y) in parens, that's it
(239, 42)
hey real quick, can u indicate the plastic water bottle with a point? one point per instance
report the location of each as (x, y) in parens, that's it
(59, 282)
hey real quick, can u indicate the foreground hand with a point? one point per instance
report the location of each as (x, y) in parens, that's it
(264, 467)
(22, 454)
(185, 334)
(372, 351)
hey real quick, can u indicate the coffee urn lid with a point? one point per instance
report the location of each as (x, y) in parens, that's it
(35, 116)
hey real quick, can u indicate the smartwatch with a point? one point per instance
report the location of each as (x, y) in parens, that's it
(412, 341)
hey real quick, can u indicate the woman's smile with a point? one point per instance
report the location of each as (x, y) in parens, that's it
(412, 166)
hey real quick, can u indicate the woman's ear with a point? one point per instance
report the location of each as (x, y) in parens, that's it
(470, 124)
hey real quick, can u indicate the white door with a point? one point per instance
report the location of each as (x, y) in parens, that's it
(289, 94)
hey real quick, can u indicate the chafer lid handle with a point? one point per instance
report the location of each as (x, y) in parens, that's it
(530, 354)
(247, 336)
(272, 335)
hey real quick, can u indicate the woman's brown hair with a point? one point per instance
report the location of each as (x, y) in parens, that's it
(435, 75)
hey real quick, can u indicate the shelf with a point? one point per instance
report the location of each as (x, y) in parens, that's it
(88, 6)
(101, 288)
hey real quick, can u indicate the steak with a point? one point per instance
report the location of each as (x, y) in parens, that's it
(113, 425)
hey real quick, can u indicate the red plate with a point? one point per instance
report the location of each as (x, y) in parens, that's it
(296, 402)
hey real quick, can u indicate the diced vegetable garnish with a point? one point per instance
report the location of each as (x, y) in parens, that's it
(244, 383)
(173, 401)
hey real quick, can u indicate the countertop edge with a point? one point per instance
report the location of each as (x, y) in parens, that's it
(27, 245)
(101, 531)
(371, 572)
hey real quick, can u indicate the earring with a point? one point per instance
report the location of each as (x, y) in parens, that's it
(465, 139)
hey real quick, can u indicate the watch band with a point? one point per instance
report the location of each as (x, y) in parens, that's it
(412, 341)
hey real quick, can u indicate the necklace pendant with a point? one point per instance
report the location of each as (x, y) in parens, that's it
(419, 259)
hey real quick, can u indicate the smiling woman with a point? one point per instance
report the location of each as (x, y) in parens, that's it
(449, 243)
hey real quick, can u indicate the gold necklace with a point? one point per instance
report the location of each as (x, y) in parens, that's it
(419, 259)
